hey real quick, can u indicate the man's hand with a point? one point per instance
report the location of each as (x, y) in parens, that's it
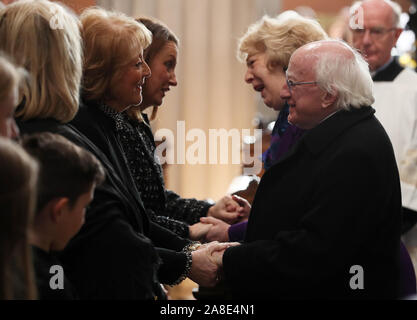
(204, 268)
(217, 252)
(218, 230)
(206, 263)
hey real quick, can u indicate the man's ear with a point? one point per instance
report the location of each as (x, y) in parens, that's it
(329, 99)
(59, 206)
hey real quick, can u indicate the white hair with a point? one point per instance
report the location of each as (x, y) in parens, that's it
(349, 78)
(396, 11)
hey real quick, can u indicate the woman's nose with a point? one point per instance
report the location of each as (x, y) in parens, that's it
(173, 80)
(285, 92)
(248, 76)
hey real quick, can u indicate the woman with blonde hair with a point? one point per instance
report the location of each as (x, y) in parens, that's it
(113, 78)
(19, 172)
(180, 215)
(44, 38)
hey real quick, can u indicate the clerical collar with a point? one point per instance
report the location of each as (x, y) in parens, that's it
(373, 73)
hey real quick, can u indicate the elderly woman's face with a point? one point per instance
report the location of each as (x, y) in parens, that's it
(268, 82)
(163, 75)
(127, 90)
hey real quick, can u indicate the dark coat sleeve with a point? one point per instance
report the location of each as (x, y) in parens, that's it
(180, 228)
(111, 258)
(169, 247)
(114, 263)
(182, 209)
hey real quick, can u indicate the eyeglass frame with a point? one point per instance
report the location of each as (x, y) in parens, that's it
(378, 32)
(291, 83)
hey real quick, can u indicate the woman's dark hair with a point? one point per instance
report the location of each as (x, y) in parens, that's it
(161, 34)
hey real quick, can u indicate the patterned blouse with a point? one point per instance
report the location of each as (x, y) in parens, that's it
(163, 206)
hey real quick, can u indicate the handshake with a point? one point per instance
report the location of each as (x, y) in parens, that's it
(207, 260)
(215, 227)
(207, 264)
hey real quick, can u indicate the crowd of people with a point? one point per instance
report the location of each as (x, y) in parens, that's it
(84, 199)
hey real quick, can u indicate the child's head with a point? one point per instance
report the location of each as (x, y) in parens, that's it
(18, 176)
(9, 84)
(67, 177)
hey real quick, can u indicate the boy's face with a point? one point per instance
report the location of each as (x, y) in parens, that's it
(72, 219)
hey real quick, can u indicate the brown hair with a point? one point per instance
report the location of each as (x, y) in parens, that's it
(18, 172)
(66, 170)
(161, 34)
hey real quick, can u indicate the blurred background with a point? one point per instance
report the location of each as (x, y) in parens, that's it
(211, 92)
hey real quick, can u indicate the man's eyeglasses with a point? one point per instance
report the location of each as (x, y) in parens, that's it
(374, 33)
(291, 83)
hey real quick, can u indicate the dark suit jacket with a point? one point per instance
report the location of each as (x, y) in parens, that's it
(331, 203)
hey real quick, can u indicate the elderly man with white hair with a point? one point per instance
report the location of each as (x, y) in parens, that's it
(375, 26)
(325, 221)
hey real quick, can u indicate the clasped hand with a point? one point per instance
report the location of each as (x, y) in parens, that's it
(214, 229)
(208, 262)
(231, 209)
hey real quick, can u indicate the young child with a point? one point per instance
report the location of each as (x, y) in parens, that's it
(67, 179)
(18, 176)
(10, 77)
